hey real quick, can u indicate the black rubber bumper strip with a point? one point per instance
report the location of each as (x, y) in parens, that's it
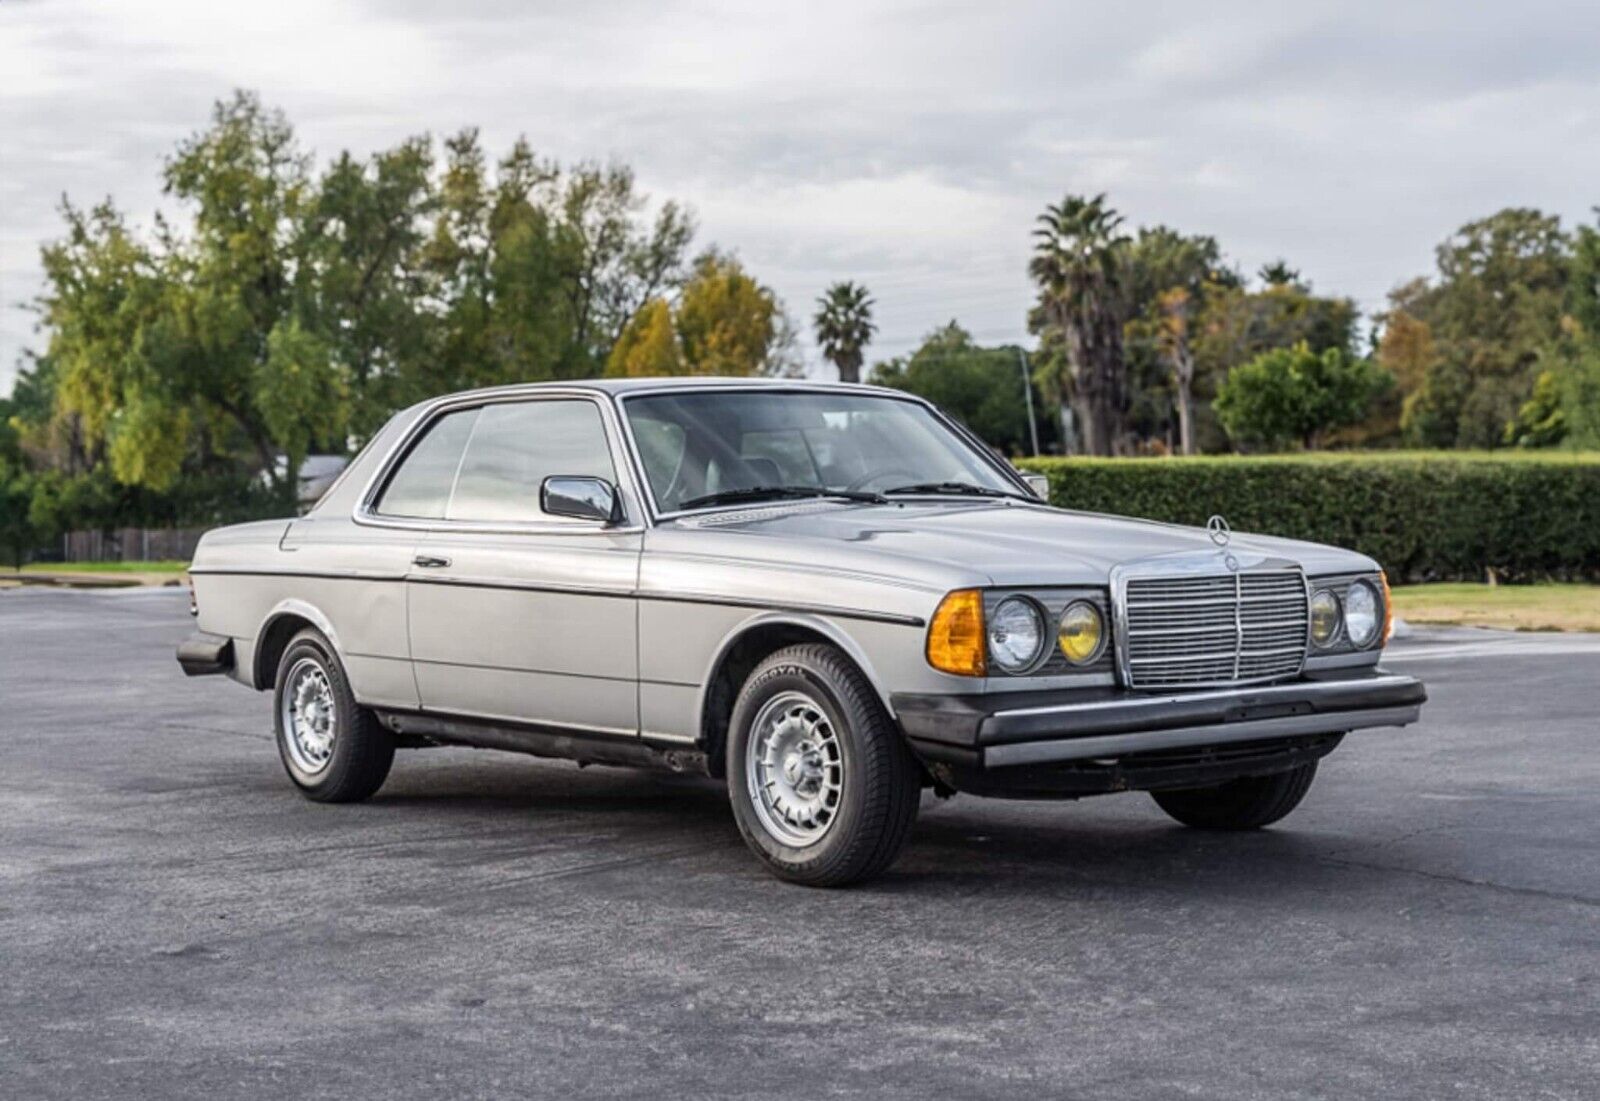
(974, 721)
(202, 655)
(1186, 737)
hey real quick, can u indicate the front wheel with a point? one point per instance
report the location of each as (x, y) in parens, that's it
(332, 748)
(1245, 804)
(823, 788)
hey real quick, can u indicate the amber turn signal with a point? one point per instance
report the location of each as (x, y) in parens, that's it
(1388, 608)
(955, 637)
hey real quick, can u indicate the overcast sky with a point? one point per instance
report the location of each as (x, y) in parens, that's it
(907, 145)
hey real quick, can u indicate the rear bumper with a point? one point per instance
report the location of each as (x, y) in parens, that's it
(203, 654)
(1010, 730)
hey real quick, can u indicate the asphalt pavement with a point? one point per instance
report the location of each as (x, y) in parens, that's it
(176, 922)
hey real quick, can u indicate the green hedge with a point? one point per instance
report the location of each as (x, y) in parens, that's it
(1425, 516)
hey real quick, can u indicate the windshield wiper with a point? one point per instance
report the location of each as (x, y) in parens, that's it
(959, 489)
(770, 493)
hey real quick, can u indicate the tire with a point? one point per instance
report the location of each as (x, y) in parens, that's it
(857, 823)
(351, 762)
(1245, 804)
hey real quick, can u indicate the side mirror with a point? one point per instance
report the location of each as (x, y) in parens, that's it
(581, 498)
(1039, 484)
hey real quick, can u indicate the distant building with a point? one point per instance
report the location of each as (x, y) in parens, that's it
(317, 474)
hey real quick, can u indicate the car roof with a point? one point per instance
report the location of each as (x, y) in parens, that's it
(672, 383)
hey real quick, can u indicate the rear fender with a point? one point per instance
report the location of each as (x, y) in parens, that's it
(290, 607)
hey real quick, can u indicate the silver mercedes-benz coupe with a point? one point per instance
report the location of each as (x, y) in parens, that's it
(832, 597)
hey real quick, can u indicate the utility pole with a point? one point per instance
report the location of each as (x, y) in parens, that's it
(1027, 394)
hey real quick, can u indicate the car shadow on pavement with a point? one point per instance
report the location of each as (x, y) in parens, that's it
(964, 845)
(1078, 844)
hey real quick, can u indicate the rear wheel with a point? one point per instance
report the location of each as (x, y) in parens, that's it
(332, 748)
(823, 788)
(1245, 804)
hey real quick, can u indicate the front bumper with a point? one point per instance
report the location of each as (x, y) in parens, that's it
(203, 654)
(1008, 730)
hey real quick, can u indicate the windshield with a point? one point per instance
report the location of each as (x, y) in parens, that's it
(703, 447)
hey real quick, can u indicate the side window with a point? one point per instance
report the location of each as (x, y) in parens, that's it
(420, 489)
(515, 446)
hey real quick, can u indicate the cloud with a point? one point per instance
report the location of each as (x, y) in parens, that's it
(908, 144)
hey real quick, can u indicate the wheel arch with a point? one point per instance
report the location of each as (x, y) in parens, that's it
(287, 619)
(749, 644)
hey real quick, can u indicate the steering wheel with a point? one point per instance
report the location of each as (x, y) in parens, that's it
(868, 479)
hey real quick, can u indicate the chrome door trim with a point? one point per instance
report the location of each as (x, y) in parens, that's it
(803, 609)
(663, 596)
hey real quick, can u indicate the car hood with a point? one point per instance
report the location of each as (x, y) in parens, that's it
(1003, 542)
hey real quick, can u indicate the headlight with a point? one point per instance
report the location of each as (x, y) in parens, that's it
(1081, 633)
(1016, 634)
(1361, 613)
(1324, 617)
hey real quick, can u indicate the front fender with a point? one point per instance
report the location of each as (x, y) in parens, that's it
(829, 629)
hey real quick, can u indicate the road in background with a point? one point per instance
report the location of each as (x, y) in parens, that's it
(176, 922)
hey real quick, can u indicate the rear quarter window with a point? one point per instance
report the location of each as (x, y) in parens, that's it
(420, 487)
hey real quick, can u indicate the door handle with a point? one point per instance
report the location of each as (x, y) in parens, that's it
(430, 562)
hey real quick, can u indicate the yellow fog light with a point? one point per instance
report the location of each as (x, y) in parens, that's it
(1081, 632)
(955, 637)
(1325, 616)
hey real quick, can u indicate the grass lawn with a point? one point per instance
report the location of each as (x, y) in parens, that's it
(105, 567)
(94, 575)
(1543, 607)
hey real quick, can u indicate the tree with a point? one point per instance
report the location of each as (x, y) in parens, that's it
(1079, 266)
(1406, 349)
(1496, 303)
(648, 347)
(1176, 306)
(1296, 394)
(1170, 277)
(1583, 280)
(361, 284)
(286, 311)
(724, 323)
(1278, 273)
(18, 536)
(844, 327)
(613, 264)
(981, 387)
(1540, 422)
(10, 434)
(229, 281)
(1579, 379)
(1564, 407)
(728, 323)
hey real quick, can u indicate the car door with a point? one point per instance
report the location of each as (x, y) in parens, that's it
(515, 614)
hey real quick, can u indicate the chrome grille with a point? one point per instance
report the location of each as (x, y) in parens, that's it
(1189, 631)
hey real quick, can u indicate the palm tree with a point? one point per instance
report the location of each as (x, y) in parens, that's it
(1176, 307)
(1079, 265)
(844, 326)
(1279, 274)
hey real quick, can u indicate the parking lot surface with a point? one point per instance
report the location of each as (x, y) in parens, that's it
(176, 922)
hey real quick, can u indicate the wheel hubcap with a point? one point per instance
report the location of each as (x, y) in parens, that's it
(794, 769)
(309, 721)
